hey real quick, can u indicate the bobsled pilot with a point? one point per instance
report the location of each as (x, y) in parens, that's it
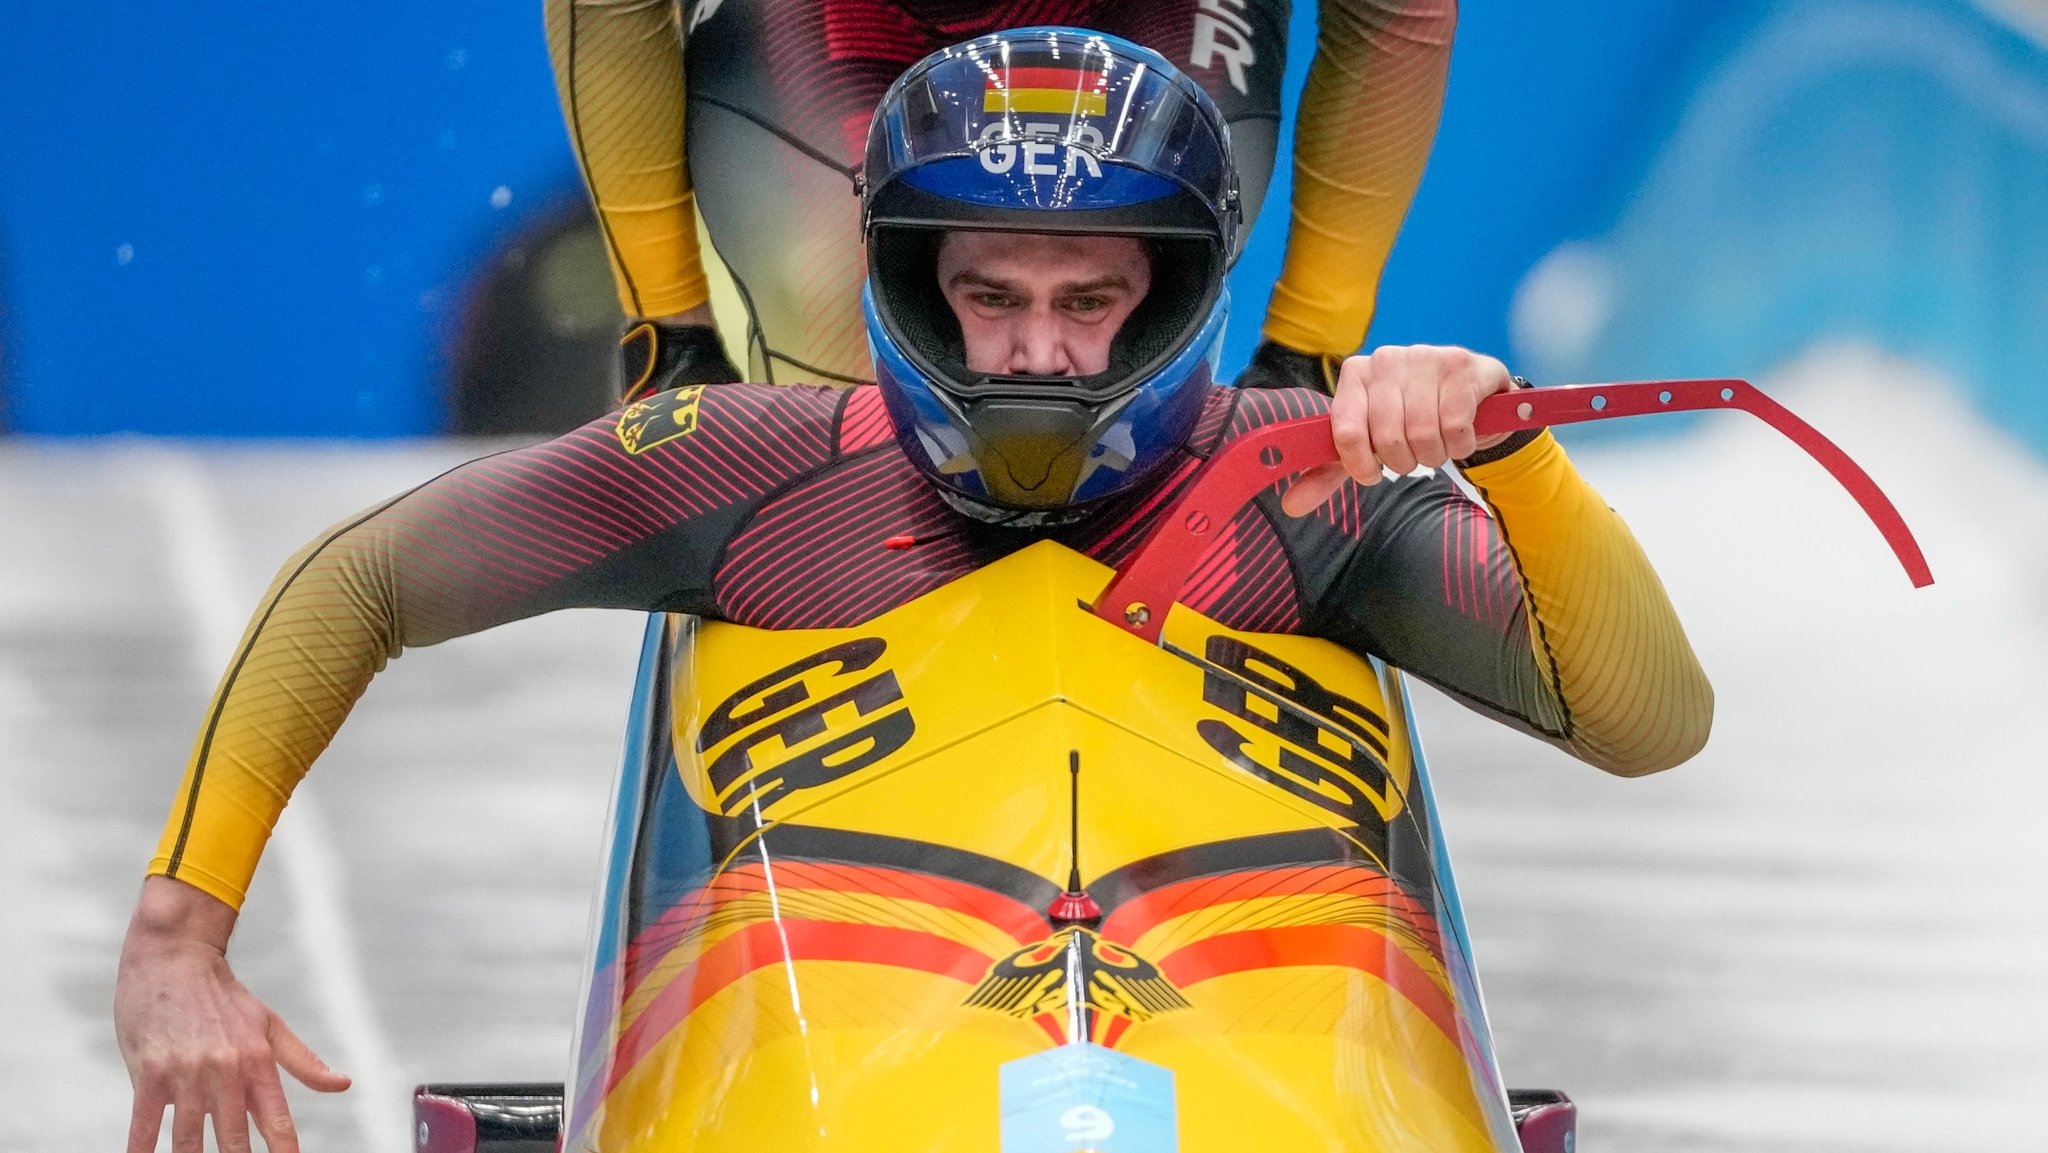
(779, 94)
(1048, 215)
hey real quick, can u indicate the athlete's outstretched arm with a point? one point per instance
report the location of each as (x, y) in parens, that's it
(628, 511)
(1362, 137)
(619, 71)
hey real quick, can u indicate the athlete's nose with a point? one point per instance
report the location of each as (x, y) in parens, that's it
(1039, 347)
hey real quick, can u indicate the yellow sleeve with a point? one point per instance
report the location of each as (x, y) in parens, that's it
(1367, 119)
(328, 623)
(568, 523)
(1634, 698)
(619, 71)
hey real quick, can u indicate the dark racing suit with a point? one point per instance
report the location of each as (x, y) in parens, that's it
(779, 94)
(771, 506)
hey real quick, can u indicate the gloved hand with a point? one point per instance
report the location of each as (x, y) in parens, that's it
(1276, 366)
(655, 357)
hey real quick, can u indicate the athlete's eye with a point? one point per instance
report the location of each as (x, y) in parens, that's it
(993, 301)
(1087, 306)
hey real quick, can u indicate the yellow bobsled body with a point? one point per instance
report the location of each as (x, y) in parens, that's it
(826, 922)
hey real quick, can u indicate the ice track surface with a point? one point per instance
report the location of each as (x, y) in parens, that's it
(1826, 933)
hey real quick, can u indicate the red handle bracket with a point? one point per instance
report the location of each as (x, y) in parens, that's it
(1138, 598)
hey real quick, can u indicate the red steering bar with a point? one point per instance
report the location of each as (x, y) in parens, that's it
(1140, 595)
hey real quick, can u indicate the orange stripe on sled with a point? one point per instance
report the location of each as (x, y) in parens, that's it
(1346, 946)
(1141, 915)
(777, 942)
(1020, 921)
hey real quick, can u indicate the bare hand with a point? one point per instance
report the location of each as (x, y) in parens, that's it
(195, 1039)
(1399, 408)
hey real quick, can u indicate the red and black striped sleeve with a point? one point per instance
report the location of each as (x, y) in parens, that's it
(627, 512)
(1537, 608)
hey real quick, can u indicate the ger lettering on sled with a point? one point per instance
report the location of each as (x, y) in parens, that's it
(832, 915)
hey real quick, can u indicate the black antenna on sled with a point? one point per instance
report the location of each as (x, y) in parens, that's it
(1074, 818)
(1074, 906)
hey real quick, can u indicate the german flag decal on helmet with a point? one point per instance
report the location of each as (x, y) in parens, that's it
(1070, 91)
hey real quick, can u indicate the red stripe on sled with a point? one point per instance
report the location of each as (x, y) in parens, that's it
(1345, 946)
(780, 942)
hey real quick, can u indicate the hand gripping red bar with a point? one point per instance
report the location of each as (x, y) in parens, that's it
(1139, 596)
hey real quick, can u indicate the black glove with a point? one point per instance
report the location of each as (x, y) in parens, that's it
(1276, 366)
(655, 357)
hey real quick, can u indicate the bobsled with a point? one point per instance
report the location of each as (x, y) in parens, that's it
(1042, 862)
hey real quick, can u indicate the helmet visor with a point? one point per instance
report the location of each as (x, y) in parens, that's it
(1048, 119)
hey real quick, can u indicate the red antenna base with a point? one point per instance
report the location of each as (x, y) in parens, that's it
(1074, 909)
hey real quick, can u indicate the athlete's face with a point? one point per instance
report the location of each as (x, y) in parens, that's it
(1046, 305)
